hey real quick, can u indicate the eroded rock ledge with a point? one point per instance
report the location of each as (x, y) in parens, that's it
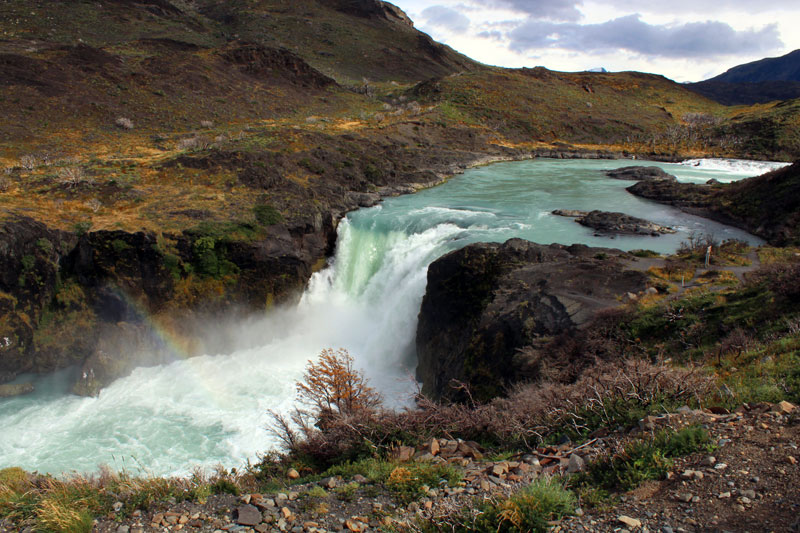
(486, 301)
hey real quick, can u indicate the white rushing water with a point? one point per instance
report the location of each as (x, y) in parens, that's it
(214, 409)
(735, 167)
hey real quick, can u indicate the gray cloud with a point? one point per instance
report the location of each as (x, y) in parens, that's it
(703, 6)
(695, 39)
(563, 10)
(444, 17)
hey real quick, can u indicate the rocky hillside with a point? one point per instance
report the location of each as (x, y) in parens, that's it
(171, 160)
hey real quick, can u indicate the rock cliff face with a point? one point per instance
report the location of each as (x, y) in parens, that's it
(29, 257)
(485, 302)
(89, 300)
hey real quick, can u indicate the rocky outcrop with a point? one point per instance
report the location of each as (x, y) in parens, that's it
(269, 63)
(485, 302)
(369, 9)
(614, 223)
(767, 205)
(639, 173)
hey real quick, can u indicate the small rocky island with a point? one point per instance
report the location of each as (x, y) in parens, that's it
(640, 173)
(614, 223)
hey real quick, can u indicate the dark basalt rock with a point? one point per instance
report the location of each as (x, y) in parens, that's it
(614, 223)
(639, 173)
(621, 224)
(29, 263)
(486, 301)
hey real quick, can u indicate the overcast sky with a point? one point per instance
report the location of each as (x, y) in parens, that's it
(686, 40)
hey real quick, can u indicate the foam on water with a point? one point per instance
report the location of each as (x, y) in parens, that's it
(742, 167)
(214, 409)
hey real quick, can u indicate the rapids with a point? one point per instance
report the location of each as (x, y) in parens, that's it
(212, 409)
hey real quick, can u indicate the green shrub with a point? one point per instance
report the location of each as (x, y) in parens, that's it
(45, 246)
(266, 215)
(408, 481)
(529, 510)
(314, 492)
(82, 228)
(224, 486)
(200, 493)
(347, 493)
(684, 442)
(644, 253)
(643, 460)
(119, 245)
(375, 470)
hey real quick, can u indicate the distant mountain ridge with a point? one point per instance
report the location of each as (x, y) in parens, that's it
(784, 68)
(766, 80)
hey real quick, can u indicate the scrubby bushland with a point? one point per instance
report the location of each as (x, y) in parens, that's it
(612, 394)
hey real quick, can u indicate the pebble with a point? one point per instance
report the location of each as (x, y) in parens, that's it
(247, 515)
(709, 461)
(630, 522)
(576, 464)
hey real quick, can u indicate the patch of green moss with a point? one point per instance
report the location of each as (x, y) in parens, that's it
(209, 259)
(119, 246)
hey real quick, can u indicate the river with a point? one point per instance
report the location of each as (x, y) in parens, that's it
(213, 409)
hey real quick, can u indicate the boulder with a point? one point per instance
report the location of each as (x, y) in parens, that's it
(573, 213)
(7, 391)
(247, 515)
(485, 302)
